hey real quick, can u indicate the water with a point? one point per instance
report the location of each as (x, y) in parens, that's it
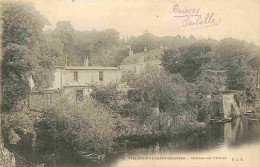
(236, 134)
(235, 140)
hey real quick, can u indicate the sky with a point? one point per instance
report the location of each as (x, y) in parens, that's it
(238, 19)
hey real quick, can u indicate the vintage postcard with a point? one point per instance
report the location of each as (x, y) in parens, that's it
(130, 83)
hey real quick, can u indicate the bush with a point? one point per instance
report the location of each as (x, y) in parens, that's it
(58, 132)
(68, 127)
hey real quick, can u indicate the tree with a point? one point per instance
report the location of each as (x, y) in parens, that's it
(66, 34)
(233, 56)
(255, 64)
(22, 56)
(53, 48)
(101, 47)
(146, 39)
(109, 95)
(63, 129)
(67, 127)
(154, 88)
(189, 60)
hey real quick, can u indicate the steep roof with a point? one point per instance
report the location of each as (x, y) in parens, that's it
(150, 55)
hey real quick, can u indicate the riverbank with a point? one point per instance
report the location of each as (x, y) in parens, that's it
(246, 156)
(234, 135)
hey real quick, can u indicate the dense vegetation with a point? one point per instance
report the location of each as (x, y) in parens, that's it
(193, 72)
(23, 54)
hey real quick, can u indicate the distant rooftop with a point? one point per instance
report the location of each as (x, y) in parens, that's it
(150, 55)
(87, 68)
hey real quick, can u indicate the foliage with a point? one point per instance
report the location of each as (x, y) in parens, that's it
(146, 39)
(233, 56)
(43, 67)
(21, 23)
(110, 95)
(157, 97)
(22, 55)
(53, 48)
(189, 61)
(254, 62)
(155, 86)
(18, 129)
(192, 74)
(68, 127)
(103, 48)
(142, 113)
(63, 129)
(15, 83)
(20, 119)
(152, 42)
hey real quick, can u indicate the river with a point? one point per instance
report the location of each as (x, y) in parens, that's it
(232, 144)
(235, 143)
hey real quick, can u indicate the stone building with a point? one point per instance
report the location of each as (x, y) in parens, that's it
(74, 80)
(137, 62)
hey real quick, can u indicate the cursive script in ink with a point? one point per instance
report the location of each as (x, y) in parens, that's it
(193, 18)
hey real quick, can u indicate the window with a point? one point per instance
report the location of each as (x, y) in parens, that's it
(79, 95)
(76, 77)
(101, 75)
(134, 69)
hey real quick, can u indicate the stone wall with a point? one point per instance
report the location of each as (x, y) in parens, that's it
(230, 107)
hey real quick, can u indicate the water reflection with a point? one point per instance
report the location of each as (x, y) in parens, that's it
(218, 135)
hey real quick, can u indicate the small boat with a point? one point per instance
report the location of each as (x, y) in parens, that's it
(254, 119)
(248, 112)
(224, 120)
(214, 119)
(91, 157)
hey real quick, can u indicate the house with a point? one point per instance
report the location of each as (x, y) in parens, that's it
(137, 62)
(75, 80)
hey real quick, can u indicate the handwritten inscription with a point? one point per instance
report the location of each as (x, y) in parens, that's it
(177, 10)
(193, 18)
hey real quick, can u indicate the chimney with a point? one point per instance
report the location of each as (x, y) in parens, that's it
(145, 49)
(131, 53)
(86, 62)
(66, 60)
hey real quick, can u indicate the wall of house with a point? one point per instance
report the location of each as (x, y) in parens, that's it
(88, 76)
(64, 81)
(60, 78)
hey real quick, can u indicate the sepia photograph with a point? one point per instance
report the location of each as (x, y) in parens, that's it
(129, 83)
